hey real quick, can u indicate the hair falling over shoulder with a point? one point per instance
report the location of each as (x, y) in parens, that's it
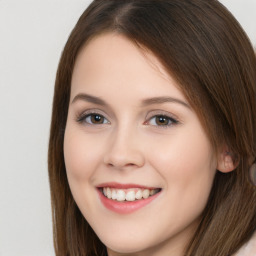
(202, 45)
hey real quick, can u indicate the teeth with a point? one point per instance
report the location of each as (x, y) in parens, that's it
(129, 194)
(120, 195)
(145, 193)
(139, 194)
(109, 194)
(105, 191)
(114, 194)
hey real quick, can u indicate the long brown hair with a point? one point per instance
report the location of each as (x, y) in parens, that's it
(202, 45)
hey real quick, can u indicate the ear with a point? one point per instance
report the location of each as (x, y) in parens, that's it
(226, 161)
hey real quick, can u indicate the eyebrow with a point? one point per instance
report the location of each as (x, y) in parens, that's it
(89, 98)
(145, 102)
(161, 100)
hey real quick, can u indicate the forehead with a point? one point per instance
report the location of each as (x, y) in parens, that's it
(111, 60)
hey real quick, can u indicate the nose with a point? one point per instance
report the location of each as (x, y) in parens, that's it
(124, 150)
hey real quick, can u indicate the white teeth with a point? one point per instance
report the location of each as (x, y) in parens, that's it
(109, 193)
(145, 193)
(114, 194)
(129, 194)
(120, 195)
(105, 191)
(139, 194)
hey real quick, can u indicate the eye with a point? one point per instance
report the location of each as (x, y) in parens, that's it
(162, 120)
(93, 119)
(96, 119)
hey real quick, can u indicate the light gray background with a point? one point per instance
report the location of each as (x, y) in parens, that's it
(32, 35)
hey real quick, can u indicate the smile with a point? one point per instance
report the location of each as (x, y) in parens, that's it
(132, 194)
(126, 198)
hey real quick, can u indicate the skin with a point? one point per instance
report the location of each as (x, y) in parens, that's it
(131, 147)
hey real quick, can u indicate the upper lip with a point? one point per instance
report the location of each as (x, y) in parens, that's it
(123, 186)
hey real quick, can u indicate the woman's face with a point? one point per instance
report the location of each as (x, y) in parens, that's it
(132, 135)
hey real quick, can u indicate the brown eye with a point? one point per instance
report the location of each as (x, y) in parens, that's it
(162, 120)
(95, 119)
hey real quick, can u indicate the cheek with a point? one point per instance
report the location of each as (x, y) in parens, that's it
(81, 155)
(188, 166)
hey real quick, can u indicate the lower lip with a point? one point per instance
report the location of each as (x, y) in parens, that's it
(125, 207)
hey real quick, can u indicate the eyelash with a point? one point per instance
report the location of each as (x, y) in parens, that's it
(82, 118)
(170, 120)
(165, 118)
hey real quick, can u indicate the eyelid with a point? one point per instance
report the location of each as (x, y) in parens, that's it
(162, 113)
(80, 117)
(169, 115)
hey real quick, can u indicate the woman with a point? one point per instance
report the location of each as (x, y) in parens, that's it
(152, 139)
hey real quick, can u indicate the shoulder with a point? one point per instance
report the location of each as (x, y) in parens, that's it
(249, 249)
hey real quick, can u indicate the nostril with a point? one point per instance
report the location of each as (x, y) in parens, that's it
(121, 165)
(123, 158)
(130, 164)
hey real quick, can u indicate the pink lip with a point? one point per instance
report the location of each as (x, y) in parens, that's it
(124, 207)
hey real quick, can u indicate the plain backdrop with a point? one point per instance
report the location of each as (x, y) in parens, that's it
(32, 36)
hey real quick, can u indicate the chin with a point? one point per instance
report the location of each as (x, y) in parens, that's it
(126, 245)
